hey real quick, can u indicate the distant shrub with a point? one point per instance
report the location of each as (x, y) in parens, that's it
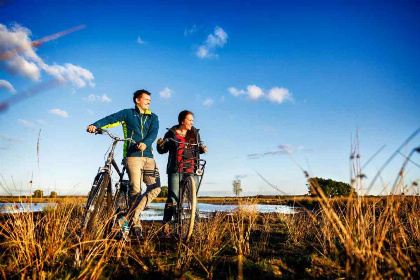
(329, 187)
(163, 191)
(38, 194)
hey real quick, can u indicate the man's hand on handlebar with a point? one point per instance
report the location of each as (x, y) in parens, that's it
(91, 129)
(141, 147)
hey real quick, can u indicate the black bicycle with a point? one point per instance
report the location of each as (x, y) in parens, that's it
(100, 218)
(190, 165)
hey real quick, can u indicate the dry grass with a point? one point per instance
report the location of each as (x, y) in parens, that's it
(360, 238)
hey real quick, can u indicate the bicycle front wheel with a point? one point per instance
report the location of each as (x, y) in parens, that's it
(95, 212)
(187, 208)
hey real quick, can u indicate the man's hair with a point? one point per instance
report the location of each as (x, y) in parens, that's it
(139, 93)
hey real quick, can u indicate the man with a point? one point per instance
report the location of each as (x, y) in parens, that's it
(142, 125)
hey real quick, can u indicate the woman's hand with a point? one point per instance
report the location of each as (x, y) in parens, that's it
(204, 149)
(159, 141)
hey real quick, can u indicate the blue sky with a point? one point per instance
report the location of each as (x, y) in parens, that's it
(261, 77)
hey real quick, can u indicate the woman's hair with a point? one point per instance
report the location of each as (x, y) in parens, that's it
(189, 137)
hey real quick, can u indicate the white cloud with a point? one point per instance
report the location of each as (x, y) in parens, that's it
(93, 98)
(59, 112)
(216, 40)
(28, 64)
(26, 123)
(279, 95)
(77, 75)
(140, 41)
(6, 85)
(208, 102)
(165, 93)
(236, 92)
(191, 31)
(11, 139)
(254, 92)
(276, 94)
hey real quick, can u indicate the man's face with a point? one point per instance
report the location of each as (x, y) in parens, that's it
(144, 101)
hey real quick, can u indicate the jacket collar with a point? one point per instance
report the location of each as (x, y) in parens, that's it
(175, 127)
(147, 112)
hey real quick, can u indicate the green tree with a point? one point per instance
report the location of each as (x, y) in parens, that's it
(329, 187)
(53, 194)
(38, 194)
(237, 189)
(163, 191)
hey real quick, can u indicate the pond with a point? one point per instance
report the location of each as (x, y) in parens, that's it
(155, 210)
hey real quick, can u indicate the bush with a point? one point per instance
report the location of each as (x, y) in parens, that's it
(163, 191)
(330, 187)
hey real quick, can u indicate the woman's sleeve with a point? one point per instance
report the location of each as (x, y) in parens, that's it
(164, 148)
(198, 141)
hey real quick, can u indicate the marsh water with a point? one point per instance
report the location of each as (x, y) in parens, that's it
(155, 210)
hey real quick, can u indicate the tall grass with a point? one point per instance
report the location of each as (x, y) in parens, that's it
(358, 237)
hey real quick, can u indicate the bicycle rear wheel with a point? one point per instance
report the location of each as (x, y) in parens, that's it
(187, 209)
(93, 223)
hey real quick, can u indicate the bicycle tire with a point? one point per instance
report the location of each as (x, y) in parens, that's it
(94, 205)
(119, 207)
(187, 209)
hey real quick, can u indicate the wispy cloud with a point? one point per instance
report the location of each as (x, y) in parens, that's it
(140, 41)
(59, 112)
(93, 98)
(26, 123)
(208, 102)
(267, 128)
(214, 41)
(284, 149)
(279, 95)
(8, 86)
(235, 91)
(166, 93)
(10, 139)
(29, 65)
(190, 31)
(41, 122)
(253, 92)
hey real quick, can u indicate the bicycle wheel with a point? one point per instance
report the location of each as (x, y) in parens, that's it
(119, 208)
(95, 212)
(187, 209)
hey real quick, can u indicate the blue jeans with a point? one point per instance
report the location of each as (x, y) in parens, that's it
(173, 195)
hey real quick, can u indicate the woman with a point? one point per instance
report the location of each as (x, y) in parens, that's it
(183, 132)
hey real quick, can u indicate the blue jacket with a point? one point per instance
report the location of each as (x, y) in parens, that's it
(143, 128)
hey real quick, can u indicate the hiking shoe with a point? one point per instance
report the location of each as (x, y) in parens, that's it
(137, 232)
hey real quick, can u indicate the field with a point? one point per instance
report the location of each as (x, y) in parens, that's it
(360, 238)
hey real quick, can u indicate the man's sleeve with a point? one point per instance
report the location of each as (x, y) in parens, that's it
(152, 133)
(111, 120)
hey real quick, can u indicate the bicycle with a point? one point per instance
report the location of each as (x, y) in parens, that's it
(186, 210)
(95, 211)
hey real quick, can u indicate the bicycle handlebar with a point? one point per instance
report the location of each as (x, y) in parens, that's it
(116, 138)
(183, 143)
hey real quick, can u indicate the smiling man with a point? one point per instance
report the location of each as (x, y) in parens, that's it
(142, 125)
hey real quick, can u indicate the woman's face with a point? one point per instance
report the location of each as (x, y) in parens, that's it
(188, 121)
